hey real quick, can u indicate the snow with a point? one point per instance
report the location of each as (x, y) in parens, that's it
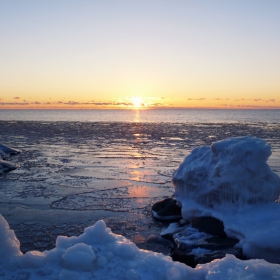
(100, 254)
(232, 181)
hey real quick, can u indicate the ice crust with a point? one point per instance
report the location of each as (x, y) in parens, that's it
(100, 254)
(232, 181)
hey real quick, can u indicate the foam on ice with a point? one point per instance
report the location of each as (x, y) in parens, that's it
(232, 181)
(100, 254)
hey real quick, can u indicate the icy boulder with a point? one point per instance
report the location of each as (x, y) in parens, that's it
(232, 171)
(232, 182)
(5, 152)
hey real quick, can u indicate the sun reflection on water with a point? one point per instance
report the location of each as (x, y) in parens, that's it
(136, 116)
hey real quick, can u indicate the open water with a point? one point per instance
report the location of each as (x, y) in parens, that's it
(144, 115)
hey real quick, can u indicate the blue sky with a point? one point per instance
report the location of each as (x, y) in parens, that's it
(166, 52)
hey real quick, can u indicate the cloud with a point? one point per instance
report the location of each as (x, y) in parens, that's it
(257, 99)
(270, 100)
(72, 103)
(36, 103)
(254, 106)
(198, 99)
(13, 103)
(17, 98)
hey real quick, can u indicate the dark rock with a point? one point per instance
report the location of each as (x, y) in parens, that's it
(221, 242)
(209, 225)
(180, 256)
(167, 209)
(209, 257)
(194, 246)
(191, 257)
(201, 241)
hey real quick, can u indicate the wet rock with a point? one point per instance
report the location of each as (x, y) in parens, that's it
(193, 259)
(209, 257)
(181, 256)
(201, 241)
(198, 242)
(167, 209)
(206, 250)
(209, 225)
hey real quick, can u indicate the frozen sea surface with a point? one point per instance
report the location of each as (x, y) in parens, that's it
(72, 173)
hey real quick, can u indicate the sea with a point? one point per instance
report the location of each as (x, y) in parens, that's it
(144, 115)
(79, 166)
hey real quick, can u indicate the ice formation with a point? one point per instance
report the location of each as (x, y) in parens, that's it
(232, 181)
(231, 171)
(5, 152)
(100, 254)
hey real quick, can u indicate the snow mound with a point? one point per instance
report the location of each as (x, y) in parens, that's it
(100, 254)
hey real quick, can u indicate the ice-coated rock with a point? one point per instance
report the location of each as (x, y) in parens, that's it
(232, 171)
(5, 152)
(232, 182)
(6, 166)
(167, 210)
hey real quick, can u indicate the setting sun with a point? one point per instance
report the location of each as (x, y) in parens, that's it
(137, 101)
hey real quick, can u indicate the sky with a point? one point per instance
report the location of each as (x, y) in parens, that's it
(144, 54)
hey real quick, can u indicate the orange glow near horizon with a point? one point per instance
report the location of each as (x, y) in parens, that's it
(140, 103)
(137, 102)
(54, 106)
(141, 55)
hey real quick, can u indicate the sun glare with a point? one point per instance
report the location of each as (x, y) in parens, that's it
(137, 101)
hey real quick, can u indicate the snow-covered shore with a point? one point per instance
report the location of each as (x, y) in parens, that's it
(100, 254)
